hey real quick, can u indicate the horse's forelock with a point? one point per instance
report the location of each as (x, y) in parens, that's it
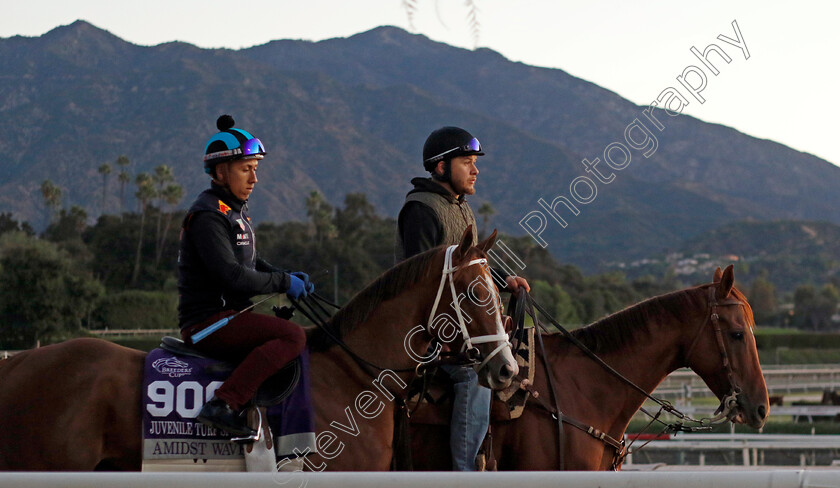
(738, 294)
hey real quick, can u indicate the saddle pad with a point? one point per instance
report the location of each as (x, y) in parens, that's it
(176, 387)
(513, 396)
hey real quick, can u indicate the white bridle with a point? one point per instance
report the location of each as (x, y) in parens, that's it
(501, 336)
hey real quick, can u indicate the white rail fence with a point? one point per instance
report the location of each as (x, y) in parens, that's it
(684, 479)
(750, 446)
(685, 383)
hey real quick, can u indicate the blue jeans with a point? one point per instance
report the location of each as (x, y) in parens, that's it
(470, 416)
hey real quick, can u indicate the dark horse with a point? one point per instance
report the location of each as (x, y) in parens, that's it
(644, 343)
(76, 405)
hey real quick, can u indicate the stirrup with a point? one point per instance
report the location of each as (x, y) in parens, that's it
(257, 435)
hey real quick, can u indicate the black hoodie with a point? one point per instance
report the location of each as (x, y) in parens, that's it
(218, 266)
(417, 224)
(419, 227)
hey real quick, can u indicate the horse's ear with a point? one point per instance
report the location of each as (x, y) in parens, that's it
(486, 244)
(464, 246)
(727, 281)
(716, 277)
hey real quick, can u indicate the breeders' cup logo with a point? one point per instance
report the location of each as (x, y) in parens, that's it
(172, 367)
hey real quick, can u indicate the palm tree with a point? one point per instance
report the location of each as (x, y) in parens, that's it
(172, 194)
(486, 211)
(104, 170)
(52, 198)
(163, 175)
(124, 177)
(145, 193)
(321, 213)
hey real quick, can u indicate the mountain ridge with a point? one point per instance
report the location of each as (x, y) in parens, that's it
(350, 115)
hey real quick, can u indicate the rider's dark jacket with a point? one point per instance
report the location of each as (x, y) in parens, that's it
(218, 266)
(431, 216)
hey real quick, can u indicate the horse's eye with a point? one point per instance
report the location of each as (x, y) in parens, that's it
(738, 336)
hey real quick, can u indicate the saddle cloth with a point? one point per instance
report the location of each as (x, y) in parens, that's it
(176, 386)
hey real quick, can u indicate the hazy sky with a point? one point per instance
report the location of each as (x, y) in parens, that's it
(785, 91)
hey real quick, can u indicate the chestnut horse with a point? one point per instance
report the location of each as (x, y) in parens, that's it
(644, 343)
(76, 405)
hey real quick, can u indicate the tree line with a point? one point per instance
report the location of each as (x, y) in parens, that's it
(119, 272)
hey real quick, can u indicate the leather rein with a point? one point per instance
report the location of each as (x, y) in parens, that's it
(312, 309)
(726, 408)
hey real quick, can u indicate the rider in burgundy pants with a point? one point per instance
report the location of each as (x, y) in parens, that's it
(219, 272)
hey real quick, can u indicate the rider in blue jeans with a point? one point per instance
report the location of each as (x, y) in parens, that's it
(436, 213)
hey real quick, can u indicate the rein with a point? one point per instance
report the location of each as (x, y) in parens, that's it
(317, 314)
(311, 307)
(728, 404)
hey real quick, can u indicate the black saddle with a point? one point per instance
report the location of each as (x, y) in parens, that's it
(273, 390)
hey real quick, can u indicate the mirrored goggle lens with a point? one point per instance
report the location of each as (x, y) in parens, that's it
(473, 145)
(253, 146)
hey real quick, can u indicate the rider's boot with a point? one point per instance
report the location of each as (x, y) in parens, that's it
(216, 413)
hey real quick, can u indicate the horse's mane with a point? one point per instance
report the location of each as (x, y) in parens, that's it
(388, 285)
(616, 330)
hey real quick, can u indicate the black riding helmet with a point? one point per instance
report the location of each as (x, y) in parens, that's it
(447, 143)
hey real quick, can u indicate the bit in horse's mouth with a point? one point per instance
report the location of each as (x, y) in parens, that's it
(736, 415)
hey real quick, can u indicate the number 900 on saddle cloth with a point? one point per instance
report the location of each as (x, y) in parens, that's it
(178, 381)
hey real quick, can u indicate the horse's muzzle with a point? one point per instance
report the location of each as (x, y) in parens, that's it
(753, 415)
(498, 373)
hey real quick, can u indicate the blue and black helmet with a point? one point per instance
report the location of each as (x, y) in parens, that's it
(230, 144)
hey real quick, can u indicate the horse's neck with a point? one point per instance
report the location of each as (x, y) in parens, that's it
(650, 357)
(645, 361)
(381, 337)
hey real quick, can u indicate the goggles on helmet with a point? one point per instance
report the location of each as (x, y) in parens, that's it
(472, 146)
(251, 147)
